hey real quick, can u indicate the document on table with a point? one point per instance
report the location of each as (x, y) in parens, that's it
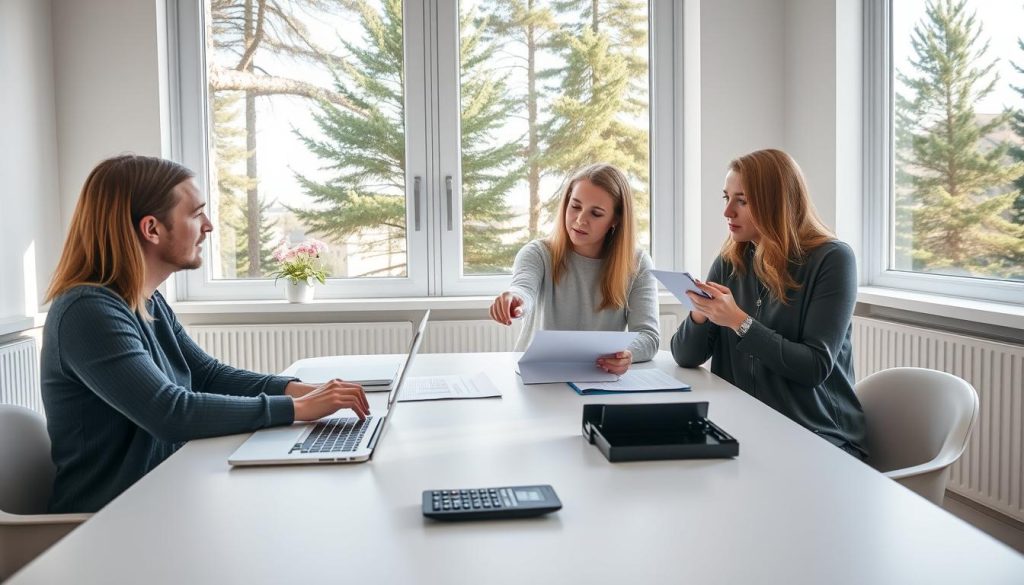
(447, 387)
(634, 380)
(678, 283)
(571, 356)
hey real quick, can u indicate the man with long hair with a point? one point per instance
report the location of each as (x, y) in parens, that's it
(123, 385)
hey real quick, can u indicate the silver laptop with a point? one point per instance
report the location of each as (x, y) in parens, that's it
(334, 439)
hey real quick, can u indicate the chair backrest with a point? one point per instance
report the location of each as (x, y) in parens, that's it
(914, 415)
(26, 470)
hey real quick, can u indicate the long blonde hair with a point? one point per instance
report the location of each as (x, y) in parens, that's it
(781, 207)
(102, 247)
(619, 249)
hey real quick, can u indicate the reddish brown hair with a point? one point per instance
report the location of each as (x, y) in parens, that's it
(785, 217)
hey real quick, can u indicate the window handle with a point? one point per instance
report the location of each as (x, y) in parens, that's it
(448, 193)
(417, 181)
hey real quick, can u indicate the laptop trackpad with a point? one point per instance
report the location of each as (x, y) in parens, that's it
(277, 437)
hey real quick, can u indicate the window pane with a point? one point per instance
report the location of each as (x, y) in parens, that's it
(547, 86)
(307, 134)
(958, 205)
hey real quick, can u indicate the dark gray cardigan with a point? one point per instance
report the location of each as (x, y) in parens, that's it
(796, 358)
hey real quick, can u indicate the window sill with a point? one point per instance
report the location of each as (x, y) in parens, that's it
(348, 305)
(984, 312)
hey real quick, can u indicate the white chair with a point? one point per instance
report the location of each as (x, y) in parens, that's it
(918, 422)
(26, 480)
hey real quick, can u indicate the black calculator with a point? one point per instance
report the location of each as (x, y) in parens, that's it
(486, 503)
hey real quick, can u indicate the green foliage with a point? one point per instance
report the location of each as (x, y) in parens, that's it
(601, 95)
(1017, 151)
(951, 195)
(365, 148)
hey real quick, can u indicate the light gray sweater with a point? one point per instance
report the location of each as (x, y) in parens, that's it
(571, 305)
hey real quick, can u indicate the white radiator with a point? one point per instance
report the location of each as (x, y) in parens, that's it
(990, 471)
(272, 348)
(470, 336)
(19, 374)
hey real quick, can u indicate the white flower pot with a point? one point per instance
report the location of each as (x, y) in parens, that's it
(300, 292)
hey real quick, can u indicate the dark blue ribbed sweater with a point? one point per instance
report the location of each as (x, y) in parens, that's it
(122, 394)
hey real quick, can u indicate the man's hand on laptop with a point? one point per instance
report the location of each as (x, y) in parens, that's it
(315, 402)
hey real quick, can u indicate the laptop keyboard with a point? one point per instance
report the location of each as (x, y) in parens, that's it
(335, 435)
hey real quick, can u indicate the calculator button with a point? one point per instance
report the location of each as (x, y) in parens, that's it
(437, 506)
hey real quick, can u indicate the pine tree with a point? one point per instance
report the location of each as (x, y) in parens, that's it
(242, 31)
(230, 155)
(954, 193)
(602, 91)
(365, 149)
(531, 24)
(1017, 150)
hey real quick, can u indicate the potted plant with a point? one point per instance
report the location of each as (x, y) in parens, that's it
(300, 264)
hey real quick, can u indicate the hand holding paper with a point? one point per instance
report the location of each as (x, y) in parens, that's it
(571, 356)
(678, 283)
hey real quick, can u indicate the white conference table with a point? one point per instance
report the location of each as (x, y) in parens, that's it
(790, 509)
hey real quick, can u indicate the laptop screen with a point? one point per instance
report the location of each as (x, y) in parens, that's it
(407, 364)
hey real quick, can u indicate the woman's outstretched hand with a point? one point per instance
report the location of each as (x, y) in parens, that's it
(506, 306)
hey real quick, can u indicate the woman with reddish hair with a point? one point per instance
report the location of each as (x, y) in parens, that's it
(782, 291)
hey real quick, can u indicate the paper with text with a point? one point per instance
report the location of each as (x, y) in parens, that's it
(478, 385)
(634, 380)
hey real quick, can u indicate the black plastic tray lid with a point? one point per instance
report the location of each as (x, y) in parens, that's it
(647, 432)
(651, 418)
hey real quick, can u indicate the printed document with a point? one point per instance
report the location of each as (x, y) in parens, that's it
(678, 283)
(447, 387)
(634, 380)
(571, 356)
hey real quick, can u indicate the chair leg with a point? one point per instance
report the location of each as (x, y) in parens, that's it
(931, 485)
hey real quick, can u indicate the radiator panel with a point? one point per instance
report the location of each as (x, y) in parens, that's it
(19, 374)
(272, 348)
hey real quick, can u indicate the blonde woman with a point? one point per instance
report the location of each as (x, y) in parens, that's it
(782, 290)
(589, 274)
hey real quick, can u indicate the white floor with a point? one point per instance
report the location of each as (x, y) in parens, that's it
(999, 526)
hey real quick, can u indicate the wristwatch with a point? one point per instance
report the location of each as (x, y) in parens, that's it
(745, 326)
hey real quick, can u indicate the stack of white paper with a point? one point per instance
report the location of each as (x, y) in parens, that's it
(571, 356)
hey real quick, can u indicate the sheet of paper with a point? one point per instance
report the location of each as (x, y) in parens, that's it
(561, 356)
(478, 385)
(678, 283)
(636, 380)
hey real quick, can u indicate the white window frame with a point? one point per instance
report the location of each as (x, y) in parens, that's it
(879, 88)
(432, 144)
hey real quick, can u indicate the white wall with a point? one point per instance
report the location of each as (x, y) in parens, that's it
(109, 79)
(28, 157)
(782, 74)
(742, 98)
(824, 106)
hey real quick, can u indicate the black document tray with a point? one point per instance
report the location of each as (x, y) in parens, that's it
(647, 432)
